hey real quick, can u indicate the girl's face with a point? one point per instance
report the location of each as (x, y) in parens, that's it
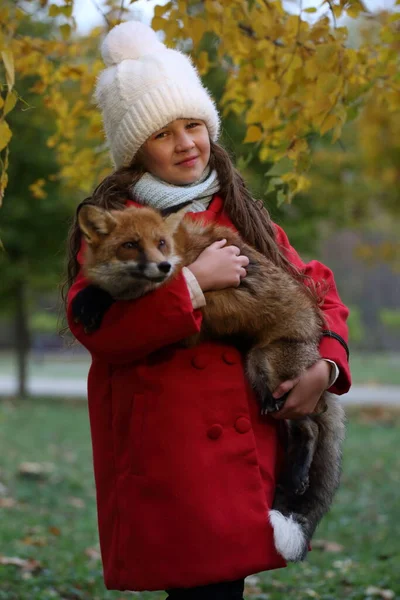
(177, 153)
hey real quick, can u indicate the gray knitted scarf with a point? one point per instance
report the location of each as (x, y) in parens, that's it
(160, 195)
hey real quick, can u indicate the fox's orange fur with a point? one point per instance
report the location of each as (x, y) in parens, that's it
(133, 251)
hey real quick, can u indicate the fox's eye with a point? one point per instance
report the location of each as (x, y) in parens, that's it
(130, 245)
(161, 243)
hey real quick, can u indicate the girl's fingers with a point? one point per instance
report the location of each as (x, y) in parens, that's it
(285, 387)
(219, 243)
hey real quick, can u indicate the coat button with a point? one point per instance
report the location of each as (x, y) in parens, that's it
(214, 432)
(242, 425)
(200, 361)
(230, 357)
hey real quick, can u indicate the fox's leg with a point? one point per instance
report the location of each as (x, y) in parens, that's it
(295, 517)
(303, 439)
(269, 365)
(89, 307)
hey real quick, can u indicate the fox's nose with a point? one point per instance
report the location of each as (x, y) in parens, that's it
(164, 267)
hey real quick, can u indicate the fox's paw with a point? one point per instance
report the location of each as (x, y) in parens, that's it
(89, 307)
(301, 486)
(269, 404)
(290, 540)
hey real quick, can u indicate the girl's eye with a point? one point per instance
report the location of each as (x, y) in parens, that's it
(159, 136)
(161, 243)
(192, 125)
(130, 245)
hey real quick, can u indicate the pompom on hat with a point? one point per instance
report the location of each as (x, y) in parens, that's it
(146, 86)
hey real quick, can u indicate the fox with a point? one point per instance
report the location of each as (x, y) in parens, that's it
(133, 251)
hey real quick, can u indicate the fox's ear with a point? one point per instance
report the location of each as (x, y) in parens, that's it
(95, 222)
(172, 221)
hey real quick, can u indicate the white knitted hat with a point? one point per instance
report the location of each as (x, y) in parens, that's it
(145, 87)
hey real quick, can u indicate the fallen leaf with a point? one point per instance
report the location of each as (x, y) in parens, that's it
(34, 470)
(70, 457)
(252, 587)
(382, 593)
(329, 574)
(7, 502)
(252, 580)
(26, 564)
(327, 546)
(35, 541)
(76, 502)
(343, 565)
(311, 593)
(26, 575)
(54, 530)
(93, 553)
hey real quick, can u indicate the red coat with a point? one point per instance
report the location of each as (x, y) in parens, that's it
(185, 466)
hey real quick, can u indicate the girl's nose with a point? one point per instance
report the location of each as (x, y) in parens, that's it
(184, 142)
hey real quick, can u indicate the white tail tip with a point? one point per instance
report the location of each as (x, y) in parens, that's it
(289, 537)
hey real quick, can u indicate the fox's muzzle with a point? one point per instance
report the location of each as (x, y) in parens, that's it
(151, 271)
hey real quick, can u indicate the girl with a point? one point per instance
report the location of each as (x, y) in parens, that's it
(185, 466)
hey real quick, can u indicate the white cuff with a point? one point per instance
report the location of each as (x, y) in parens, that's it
(196, 293)
(334, 372)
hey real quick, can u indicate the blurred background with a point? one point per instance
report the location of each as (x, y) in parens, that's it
(310, 99)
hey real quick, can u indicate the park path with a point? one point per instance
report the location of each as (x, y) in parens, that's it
(76, 388)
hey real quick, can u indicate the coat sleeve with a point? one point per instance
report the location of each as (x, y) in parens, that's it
(133, 329)
(333, 345)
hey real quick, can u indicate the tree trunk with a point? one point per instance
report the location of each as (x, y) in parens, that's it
(21, 337)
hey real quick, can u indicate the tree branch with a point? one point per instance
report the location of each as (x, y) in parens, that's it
(103, 14)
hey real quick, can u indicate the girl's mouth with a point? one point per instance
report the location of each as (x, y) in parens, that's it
(189, 162)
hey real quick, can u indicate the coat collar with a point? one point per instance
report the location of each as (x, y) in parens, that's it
(215, 207)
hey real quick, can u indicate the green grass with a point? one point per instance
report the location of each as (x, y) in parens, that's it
(61, 365)
(367, 369)
(54, 520)
(375, 369)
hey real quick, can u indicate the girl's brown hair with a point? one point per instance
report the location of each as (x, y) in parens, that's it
(249, 216)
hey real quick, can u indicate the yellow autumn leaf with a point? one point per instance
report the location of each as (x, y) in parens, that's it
(337, 10)
(354, 8)
(296, 147)
(328, 82)
(54, 10)
(37, 190)
(159, 11)
(158, 23)
(312, 68)
(66, 10)
(11, 101)
(5, 134)
(8, 60)
(3, 179)
(328, 123)
(326, 55)
(203, 64)
(253, 134)
(197, 29)
(65, 31)
(270, 89)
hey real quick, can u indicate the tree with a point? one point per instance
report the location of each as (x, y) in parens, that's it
(33, 221)
(290, 80)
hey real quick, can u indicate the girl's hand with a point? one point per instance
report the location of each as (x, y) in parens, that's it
(306, 391)
(219, 267)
